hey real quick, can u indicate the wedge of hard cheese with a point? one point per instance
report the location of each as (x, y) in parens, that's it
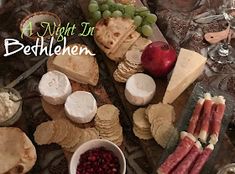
(81, 68)
(188, 67)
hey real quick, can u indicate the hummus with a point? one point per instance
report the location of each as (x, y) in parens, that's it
(7, 107)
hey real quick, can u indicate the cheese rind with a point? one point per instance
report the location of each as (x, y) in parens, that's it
(81, 68)
(188, 68)
(80, 107)
(140, 89)
(55, 87)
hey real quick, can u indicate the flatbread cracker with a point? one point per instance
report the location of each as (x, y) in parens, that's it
(140, 120)
(118, 55)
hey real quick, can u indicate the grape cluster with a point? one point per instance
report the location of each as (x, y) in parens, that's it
(142, 17)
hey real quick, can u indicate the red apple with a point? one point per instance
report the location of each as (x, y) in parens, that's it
(158, 58)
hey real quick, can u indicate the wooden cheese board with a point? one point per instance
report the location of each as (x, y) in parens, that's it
(151, 148)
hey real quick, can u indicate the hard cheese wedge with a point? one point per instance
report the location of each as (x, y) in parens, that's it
(188, 67)
(80, 68)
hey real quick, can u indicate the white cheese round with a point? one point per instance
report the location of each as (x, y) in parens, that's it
(81, 107)
(140, 89)
(55, 87)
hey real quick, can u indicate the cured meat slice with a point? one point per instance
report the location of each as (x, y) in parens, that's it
(217, 119)
(201, 160)
(180, 152)
(188, 161)
(206, 118)
(195, 116)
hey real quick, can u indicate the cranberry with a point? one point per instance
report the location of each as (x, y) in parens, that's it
(98, 161)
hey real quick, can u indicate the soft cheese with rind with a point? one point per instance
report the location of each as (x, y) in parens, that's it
(82, 68)
(140, 89)
(188, 67)
(81, 107)
(55, 87)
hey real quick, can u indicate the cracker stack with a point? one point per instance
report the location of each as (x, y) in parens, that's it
(130, 66)
(107, 123)
(64, 133)
(141, 126)
(161, 116)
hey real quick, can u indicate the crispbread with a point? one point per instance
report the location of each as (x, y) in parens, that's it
(141, 43)
(44, 133)
(111, 32)
(118, 55)
(118, 77)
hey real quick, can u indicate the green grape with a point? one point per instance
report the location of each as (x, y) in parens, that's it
(145, 22)
(113, 7)
(102, 1)
(151, 18)
(120, 6)
(96, 15)
(139, 29)
(144, 13)
(104, 7)
(110, 2)
(93, 2)
(93, 7)
(141, 9)
(106, 14)
(117, 13)
(147, 30)
(138, 20)
(129, 11)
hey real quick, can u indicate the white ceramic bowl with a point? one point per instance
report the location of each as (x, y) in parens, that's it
(41, 16)
(96, 143)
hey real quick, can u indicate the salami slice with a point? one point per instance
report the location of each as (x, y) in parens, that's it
(180, 152)
(195, 116)
(217, 119)
(188, 161)
(202, 159)
(206, 118)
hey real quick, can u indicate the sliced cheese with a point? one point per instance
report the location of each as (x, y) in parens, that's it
(140, 89)
(188, 68)
(80, 107)
(81, 68)
(55, 87)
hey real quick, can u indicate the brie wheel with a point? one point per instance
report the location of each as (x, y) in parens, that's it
(140, 89)
(80, 107)
(55, 87)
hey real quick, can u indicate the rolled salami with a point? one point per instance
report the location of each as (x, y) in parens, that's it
(202, 159)
(217, 119)
(188, 161)
(206, 118)
(180, 152)
(195, 116)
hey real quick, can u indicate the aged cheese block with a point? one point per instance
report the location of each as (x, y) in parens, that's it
(55, 87)
(81, 68)
(80, 107)
(140, 89)
(188, 67)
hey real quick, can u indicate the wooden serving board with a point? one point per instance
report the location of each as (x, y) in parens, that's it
(58, 112)
(152, 149)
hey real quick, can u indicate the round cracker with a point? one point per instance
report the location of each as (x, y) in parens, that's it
(61, 130)
(107, 112)
(142, 136)
(72, 138)
(140, 120)
(164, 134)
(44, 133)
